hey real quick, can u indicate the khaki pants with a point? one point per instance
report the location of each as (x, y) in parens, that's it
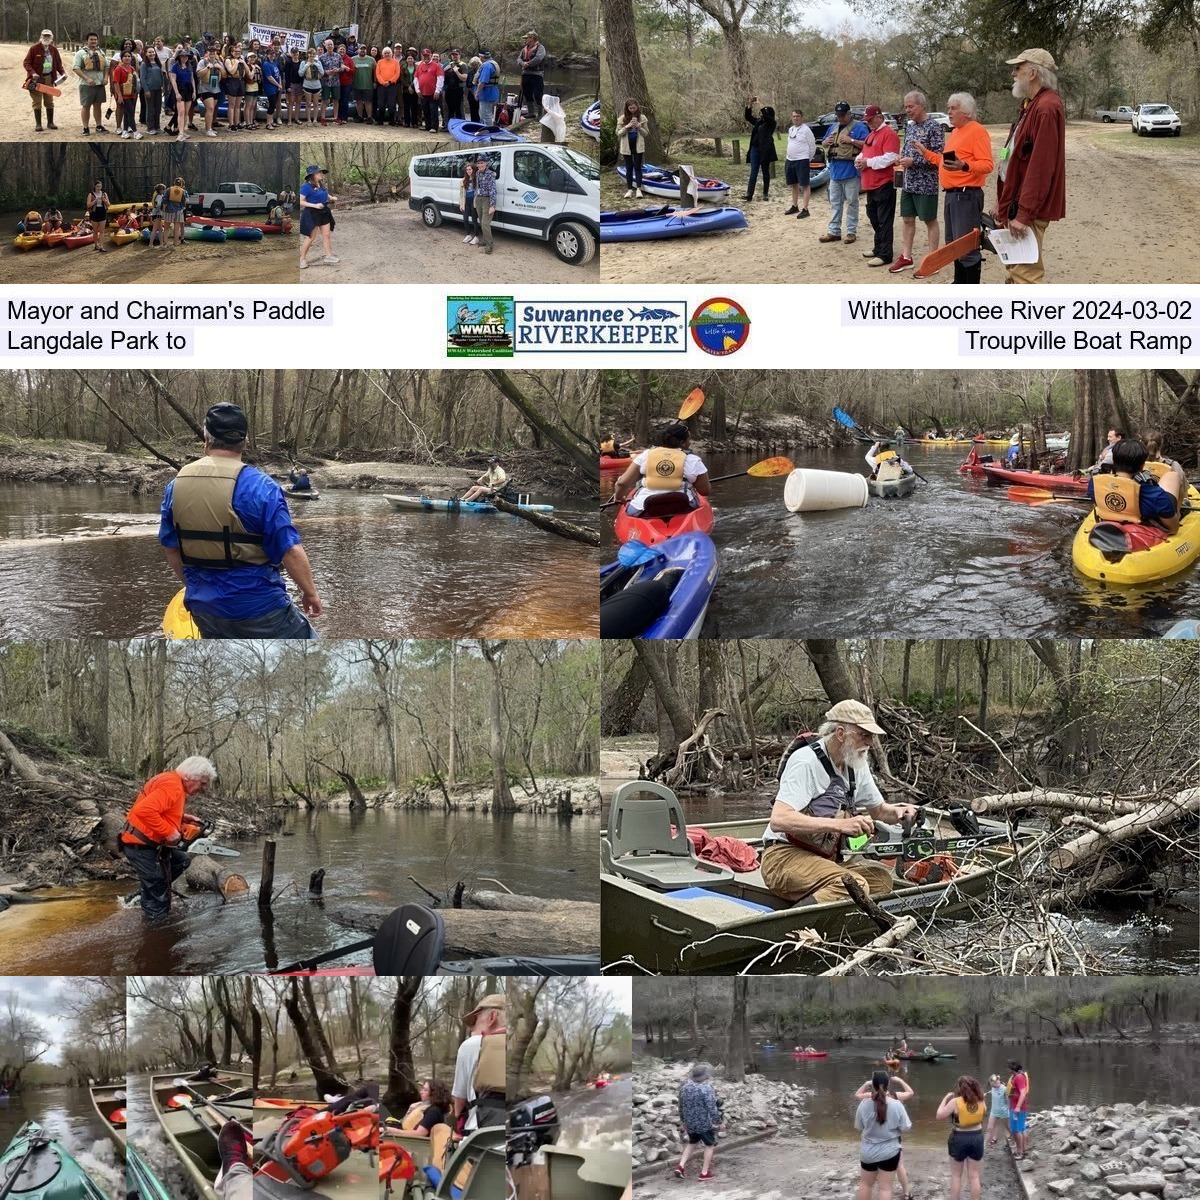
(793, 874)
(482, 207)
(39, 99)
(1030, 272)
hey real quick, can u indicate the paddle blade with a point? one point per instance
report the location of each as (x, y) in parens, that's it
(771, 466)
(692, 404)
(634, 553)
(1036, 496)
(409, 942)
(842, 417)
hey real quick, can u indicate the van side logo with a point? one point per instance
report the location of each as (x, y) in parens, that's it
(530, 197)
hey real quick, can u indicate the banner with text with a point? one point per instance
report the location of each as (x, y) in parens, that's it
(266, 33)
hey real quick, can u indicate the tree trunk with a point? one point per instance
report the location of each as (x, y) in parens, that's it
(831, 668)
(325, 1079)
(276, 409)
(502, 800)
(402, 1087)
(655, 658)
(627, 75)
(739, 1042)
(206, 874)
(580, 455)
(620, 706)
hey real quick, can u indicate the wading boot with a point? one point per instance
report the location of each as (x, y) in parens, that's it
(37, 120)
(50, 117)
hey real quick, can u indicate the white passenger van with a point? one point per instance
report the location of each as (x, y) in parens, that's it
(543, 191)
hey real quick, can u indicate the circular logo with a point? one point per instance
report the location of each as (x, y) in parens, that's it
(1115, 502)
(720, 326)
(664, 467)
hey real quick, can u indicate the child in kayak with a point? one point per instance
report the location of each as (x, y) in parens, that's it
(701, 1118)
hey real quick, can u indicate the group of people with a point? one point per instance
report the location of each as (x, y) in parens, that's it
(268, 85)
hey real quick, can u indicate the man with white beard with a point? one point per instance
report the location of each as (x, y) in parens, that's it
(1033, 164)
(825, 787)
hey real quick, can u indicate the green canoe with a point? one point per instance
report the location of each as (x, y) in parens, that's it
(141, 1183)
(36, 1167)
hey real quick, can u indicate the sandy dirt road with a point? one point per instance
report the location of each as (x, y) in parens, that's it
(1133, 216)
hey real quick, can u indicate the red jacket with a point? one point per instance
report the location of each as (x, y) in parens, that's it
(33, 61)
(1034, 187)
(879, 142)
(346, 75)
(427, 76)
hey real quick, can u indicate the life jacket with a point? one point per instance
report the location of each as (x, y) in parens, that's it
(663, 470)
(33, 222)
(889, 470)
(210, 533)
(885, 456)
(176, 194)
(1117, 498)
(1157, 469)
(968, 1119)
(127, 84)
(491, 1070)
(836, 800)
(95, 61)
(412, 1118)
(608, 446)
(843, 148)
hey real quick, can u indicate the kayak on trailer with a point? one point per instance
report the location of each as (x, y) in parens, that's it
(653, 224)
(36, 1167)
(806, 1054)
(1067, 485)
(177, 621)
(141, 1183)
(475, 133)
(1129, 553)
(890, 488)
(434, 504)
(658, 182)
(664, 524)
(226, 223)
(609, 463)
(590, 121)
(666, 596)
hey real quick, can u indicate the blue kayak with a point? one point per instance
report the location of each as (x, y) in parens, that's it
(474, 133)
(664, 597)
(590, 121)
(653, 224)
(192, 233)
(658, 182)
(434, 504)
(235, 233)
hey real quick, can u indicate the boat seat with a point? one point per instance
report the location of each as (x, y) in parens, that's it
(667, 504)
(647, 835)
(475, 1170)
(587, 1174)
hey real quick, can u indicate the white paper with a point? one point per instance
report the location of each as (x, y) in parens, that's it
(1011, 249)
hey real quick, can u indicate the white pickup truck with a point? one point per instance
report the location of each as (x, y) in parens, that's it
(1109, 115)
(231, 197)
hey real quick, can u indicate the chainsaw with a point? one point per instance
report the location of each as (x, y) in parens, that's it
(195, 839)
(918, 841)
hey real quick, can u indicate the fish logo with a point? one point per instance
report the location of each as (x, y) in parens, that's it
(652, 314)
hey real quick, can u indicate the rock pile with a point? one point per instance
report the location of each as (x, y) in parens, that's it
(756, 1105)
(1139, 1151)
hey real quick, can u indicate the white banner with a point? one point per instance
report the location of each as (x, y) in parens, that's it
(265, 33)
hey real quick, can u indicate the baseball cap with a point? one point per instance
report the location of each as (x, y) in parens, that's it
(873, 110)
(226, 422)
(853, 712)
(1041, 58)
(841, 108)
(46, 33)
(494, 1000)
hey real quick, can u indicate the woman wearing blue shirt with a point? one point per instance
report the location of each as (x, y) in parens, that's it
(315, 215)
(272, 85)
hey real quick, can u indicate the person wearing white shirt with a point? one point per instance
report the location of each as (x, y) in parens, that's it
(479, 1088)
(801, 149)
(669, 466)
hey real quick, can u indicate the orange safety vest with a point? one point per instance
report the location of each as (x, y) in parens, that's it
(663, 470)
(1117, 499)
(157, 812)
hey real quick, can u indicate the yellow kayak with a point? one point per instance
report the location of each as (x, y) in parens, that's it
(28, 241)
(122, 237)
(1132, 554)
(177, 621)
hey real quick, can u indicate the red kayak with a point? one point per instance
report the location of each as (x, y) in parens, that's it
(664, 523)
(1066, 485)
(225, 223)
(609, 463)
(802, 1054)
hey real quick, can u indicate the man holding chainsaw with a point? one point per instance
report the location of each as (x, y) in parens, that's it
(153, 838)
(43, 73)
(480, 1070)
(824, 788)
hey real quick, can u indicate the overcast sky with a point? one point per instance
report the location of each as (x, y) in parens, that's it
(41, 996)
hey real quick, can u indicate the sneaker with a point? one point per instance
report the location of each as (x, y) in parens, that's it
(868, 254)
(467, 238)
(101, 129)
(210, 133)
(680, 1173)
(705, 1176)
(637, 194)
(137, 137)
(850, 239)
(803, 214)
(830, 237)
(124, 134)
(790, 211)
(303, 264)
(183, 137)
(876, 261)
(474, 241)
(86, 131)
(628, 195)
(330, 259)
(901, 264)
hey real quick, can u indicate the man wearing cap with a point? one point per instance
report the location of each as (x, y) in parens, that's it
(842, 144)
(455, 74)
(485, 199)
(487, 87)
(480, 1069)
(822, 789)
(43, 65)
(490, 482)
(227, 532)
(1032, 188)
(533, 66)
(429, 81)
(880, 150)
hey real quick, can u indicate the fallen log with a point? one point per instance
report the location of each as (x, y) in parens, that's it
(497, 901)
(572, 927)
(885, 941)
(1074, 854)
(576, 533)
(1059, 801)
(205, 874)
(20, 764)
(1109, 879)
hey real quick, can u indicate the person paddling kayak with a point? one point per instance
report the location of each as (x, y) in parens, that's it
(299, 480)
(886, 463)
(658, 477)
(152, 836)
(1130, 494)
(491, 482)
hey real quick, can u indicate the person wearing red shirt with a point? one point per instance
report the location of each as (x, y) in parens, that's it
(874, 162)
(429, 81)
(152, 834)
(43, 64)
(346, 86)
(124, 93)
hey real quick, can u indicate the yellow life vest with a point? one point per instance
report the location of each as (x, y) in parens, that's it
(491, 1071)
(210, 533)
(885, 455)
(1157, 469)
(1117, 498)
(127, 86)
(412, 1118)
(968, 1118)
(607, 446)
(176, 194)
(663, 470)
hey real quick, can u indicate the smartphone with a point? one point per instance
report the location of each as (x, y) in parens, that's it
(950, 157)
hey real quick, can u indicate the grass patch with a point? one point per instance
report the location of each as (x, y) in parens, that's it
(1107, 136)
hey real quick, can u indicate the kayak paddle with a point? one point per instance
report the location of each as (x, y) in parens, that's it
(842, 417)
(35, 1144)
(633, 553)
(766, 468)
(1036, 496)
(692, 404)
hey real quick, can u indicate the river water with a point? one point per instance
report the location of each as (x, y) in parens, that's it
(379, 572)
(1092, 1075)
(955, 559)
(367, 857)
(67, 1115)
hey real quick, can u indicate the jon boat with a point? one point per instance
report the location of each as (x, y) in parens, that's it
(673, 913)
(36, 1167)
(109, 1103)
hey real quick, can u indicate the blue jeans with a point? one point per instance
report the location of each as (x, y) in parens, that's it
(344, 103)
(487, 112)
(754, 159)
(152, 863)
(285, 622)
(844, 191)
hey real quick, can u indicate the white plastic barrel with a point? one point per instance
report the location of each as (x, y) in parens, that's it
(809, 490)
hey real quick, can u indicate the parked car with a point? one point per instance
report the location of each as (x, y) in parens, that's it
(1150, 119)
(1108, 115)
(858, 112)
(231, 197)
(543, 191)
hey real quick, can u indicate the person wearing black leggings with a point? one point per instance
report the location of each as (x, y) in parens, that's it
(762, 153)
(631, 141)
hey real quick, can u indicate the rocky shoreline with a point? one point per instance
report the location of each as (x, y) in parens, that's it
(1143, 1151)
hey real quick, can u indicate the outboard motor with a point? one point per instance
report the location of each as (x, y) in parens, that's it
(531, 1124)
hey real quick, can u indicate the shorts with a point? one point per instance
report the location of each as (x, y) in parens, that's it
(961, 1146)
(311, 219)
(708, 1138)
(915, 204)
(888, 1164)
(233, 87)
(91, 93)
(795, 172)
(364, 95)
(295, 89)
(1017, 1121)
(331, 91)
(184, 92)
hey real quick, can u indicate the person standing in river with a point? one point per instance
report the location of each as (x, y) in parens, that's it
(227, 533)
(1018, 1108)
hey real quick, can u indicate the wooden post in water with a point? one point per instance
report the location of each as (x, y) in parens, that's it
(315, 882)
(268, 874)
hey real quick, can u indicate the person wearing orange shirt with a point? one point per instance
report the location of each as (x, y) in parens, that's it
(387, 76)
(153, 834)
(963, 168)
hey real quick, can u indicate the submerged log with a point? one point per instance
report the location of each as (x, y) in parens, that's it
(510, 902)
(206, 874)
(576, 533)
(1148, 818)
(571, 927)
